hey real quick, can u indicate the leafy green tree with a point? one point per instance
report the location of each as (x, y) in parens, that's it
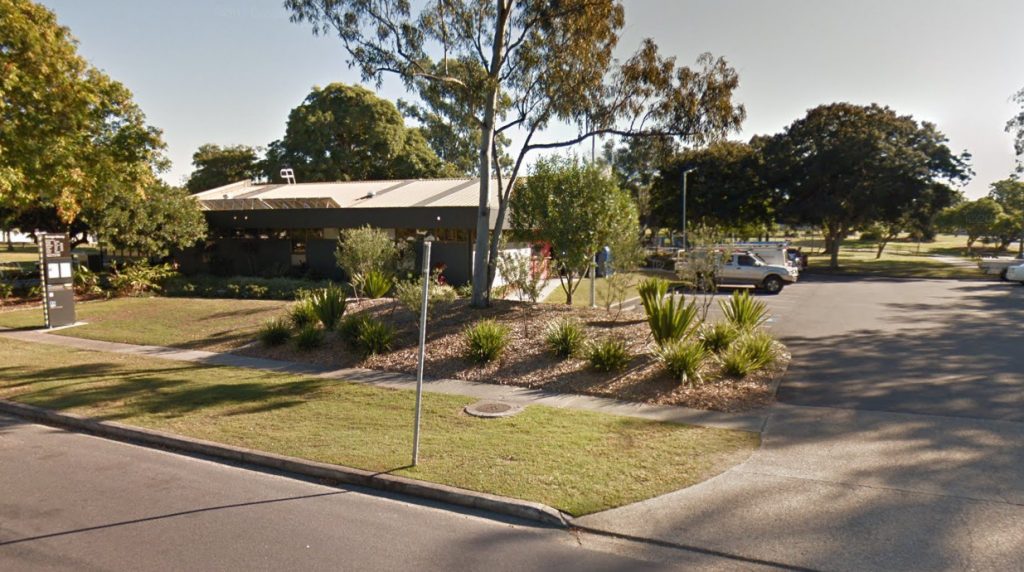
(638, 164)
(343, 132)
(216, 166)
(917, 216)
(846, 166)
(975, 218)
(726, 190)
(578, 210)
(449, 125)
(71, 139)
(153, 223)
(1009, 193)
(554, 63)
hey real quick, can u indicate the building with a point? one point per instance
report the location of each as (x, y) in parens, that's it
(281, 229)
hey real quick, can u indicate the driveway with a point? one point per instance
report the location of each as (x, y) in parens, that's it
(896, 445)
(934, 347)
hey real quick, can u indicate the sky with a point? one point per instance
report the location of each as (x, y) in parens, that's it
(229, 71)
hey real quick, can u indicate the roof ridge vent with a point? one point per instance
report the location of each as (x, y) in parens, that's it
(288, 175)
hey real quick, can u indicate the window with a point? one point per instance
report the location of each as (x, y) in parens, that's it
(746, 260)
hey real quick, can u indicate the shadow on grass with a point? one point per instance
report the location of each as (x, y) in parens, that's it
(120, 394)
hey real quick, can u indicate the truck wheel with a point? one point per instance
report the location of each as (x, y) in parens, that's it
(773, 284)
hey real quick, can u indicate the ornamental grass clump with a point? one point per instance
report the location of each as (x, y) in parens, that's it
(744, 311)
(328, 305)
(350, 327)
(565, 338)
(302, 313)
(275, 332)
(750, 352)
(669, 317)
(375, 337)
(608, 355)
(373, 284)
(486, 340)
(684, 359)
(717, 337)
(309, 337)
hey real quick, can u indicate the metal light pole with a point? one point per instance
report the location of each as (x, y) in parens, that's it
(423, 342)
(685, 173)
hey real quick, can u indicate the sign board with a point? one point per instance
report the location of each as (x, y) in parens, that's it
(56, 270)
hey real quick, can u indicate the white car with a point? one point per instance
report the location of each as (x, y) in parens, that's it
(749, 268)
(1015, 273)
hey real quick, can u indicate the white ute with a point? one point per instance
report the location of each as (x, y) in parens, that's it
(747, 268)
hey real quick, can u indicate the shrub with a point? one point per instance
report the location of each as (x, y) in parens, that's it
(464, 291)
(375, 337)
(350, 328)
(139, 278)
(652, 290)
(486, 340)
(565, 338)
(683, 359)
(749, 353)
(329, 305)
(6, 291)
(609, 355)
(366, 249)
(303, 314)
(373, 284)
(86, 281)
(309, 337)
(204, 286)
(275, 332)
(410, 294)
(718, 336)
(744, 311)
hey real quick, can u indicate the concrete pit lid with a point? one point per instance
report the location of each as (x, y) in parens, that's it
(491, 409)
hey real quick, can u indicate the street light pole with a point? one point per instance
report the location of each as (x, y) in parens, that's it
(685, 173)
(423, 343)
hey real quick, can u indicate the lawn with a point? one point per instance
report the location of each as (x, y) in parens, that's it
(579, 462)
(582, 295)
(901, 258)
(26, 255)
(195, 323)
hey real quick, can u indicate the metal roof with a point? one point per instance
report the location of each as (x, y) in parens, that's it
(410, 193)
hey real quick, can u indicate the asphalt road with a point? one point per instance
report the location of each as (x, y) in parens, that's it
(76, 502)
(934, 347)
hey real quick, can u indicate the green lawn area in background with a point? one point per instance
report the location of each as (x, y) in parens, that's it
(195, 323)
(582, 295)
(577, 461)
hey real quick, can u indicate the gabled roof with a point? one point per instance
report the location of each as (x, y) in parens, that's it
(410, 193)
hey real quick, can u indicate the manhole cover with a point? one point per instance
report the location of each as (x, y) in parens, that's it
(492, 409)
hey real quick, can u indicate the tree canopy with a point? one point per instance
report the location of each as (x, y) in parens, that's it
(216, 166)
(975, 218)
(342, 132)
(1009, 193)
(70, 137)
(576, 208)
(845, 166)
(1016, 126)
(554, 63)
(152, 224)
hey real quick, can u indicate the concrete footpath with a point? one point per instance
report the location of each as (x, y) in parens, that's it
(750, 421)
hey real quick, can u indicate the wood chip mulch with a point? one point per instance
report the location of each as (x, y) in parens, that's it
(526, 361)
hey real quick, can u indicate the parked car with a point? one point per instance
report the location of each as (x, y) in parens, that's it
(998, 266)
(1015, 273)
(747, 268)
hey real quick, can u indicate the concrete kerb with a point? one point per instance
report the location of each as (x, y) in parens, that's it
(526, 510)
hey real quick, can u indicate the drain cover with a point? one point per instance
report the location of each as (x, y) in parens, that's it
(493, 409)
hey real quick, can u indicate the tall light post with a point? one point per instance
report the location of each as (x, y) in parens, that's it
(685, 173)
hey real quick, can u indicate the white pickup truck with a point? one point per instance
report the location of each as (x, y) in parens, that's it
(998, 266)
(747, 268)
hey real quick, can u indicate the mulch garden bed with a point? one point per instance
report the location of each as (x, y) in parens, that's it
(526, 361)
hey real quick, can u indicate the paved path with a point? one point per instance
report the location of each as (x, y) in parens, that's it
(752, 421)
(912, 457)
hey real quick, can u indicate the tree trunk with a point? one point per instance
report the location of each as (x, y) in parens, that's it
(1020, 247)
(10, 241)
(481, 259)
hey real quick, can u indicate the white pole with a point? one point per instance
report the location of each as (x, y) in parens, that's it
(423, 343)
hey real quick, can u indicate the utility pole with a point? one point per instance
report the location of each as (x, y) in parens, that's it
(423, 343)
(685, 173)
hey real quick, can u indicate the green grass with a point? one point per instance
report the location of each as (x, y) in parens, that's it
(30, 253)
(582, 295)
(214, 324)
(577, 461)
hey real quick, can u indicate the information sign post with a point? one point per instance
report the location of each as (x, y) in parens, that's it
(58, 281)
